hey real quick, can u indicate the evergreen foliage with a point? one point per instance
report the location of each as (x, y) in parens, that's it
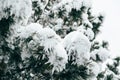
(57, 42)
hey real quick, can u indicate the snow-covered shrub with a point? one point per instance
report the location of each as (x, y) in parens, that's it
(54, 50)
(34, 37)
(77, 46)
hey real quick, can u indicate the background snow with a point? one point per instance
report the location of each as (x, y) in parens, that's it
(111, 25)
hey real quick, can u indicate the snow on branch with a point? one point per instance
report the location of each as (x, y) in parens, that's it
(78, 46)
(18, 9)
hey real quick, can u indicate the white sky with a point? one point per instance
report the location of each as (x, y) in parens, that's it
(111, 27)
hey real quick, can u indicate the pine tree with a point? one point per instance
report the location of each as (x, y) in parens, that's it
(51, 40)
